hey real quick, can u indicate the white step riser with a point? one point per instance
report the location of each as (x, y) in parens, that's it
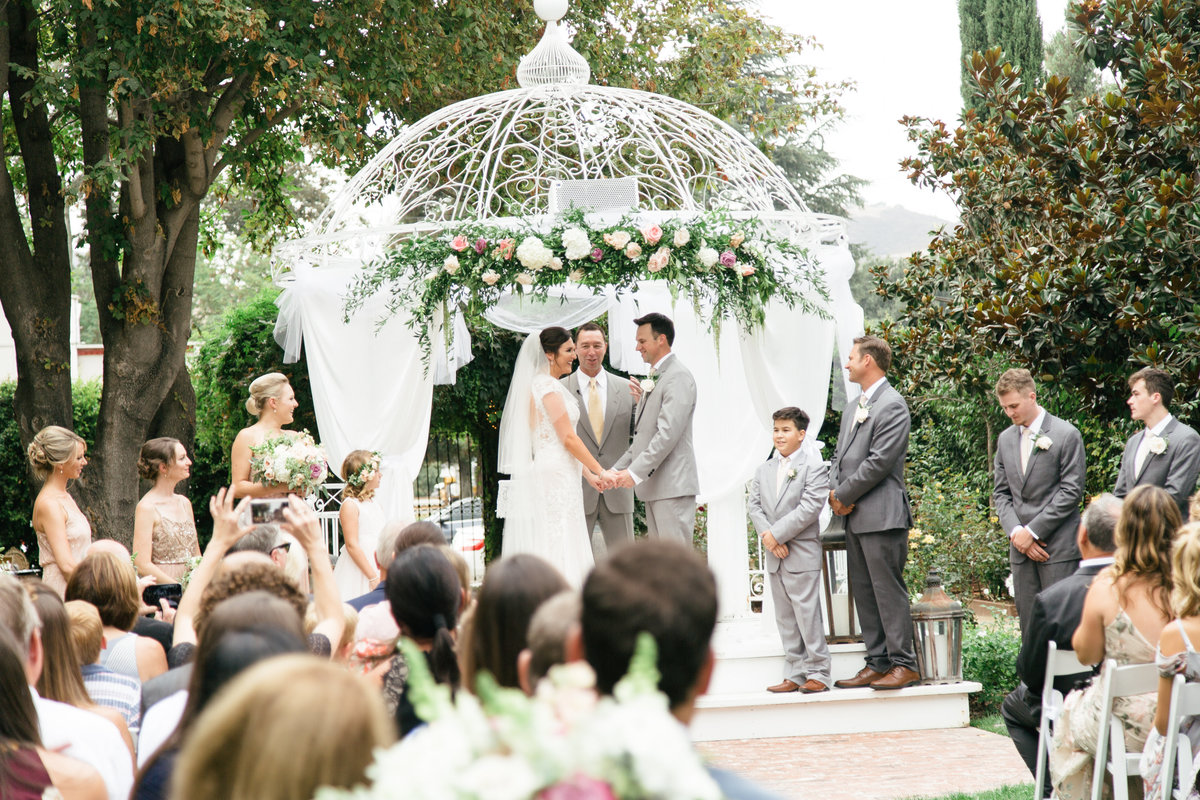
(735, 674)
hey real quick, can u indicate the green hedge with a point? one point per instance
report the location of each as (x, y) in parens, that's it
(16, 504)
(990, 657)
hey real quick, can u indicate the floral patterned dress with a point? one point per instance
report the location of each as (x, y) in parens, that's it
(1073, 751)
(1186, 663)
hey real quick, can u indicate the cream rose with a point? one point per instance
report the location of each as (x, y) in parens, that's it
(682, 237)
(617, 239)
(490, 277)
(450, 264)
(633, 250)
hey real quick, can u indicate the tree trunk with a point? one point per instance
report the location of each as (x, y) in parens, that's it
(35, 284)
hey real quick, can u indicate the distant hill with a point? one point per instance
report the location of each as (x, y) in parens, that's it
(892, 230)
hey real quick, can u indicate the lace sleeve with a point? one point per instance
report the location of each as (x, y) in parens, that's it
(543, 385)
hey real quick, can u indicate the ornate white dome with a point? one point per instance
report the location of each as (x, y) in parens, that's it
(495, 158)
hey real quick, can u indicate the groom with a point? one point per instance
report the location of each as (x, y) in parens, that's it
(660, 463)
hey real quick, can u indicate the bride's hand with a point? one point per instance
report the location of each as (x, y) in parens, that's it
(593, 481)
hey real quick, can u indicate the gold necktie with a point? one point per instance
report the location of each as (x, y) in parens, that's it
(595, 412)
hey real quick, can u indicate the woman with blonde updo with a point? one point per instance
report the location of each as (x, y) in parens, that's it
(56, 456)
(273, 402)
(164, 527)
(361, 521)
(280, 730)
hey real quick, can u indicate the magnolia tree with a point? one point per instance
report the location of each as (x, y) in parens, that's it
(1079, 236)
(137, 110)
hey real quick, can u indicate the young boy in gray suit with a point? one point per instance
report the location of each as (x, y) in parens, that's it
(786, 499)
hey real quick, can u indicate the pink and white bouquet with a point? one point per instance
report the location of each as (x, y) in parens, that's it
(292, 459)
(565, 743)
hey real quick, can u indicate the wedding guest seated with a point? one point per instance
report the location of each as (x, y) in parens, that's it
(376, 626)
(552, 623)
(110, 584)
(425, 596)
(240, 632)
(1125, 610)
(105, 687)
(280, 730)
(666, 589)
(494, 636)
(1177, 655)
(29, 771)
(61, 679)
(64, 728)
(342, 648)
(159, 627)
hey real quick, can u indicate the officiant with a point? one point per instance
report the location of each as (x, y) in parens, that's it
(606, 409)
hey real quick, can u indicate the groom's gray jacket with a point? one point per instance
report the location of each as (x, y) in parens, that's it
(867, 470)
(661, 453)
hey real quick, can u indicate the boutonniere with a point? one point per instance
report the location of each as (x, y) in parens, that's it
(863, 411)
(648, 381)
(1043, 442)
(1158, 445)
(791, 474)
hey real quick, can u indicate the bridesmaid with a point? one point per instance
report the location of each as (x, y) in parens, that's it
(56, 456)
(164, 527)
(361, 521)
(273, 402)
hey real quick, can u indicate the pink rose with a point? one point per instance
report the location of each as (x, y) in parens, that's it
(460, 243)
(728, 259)
(747, 270)
(480, 245)
(579, 787)
(737, 239)
(504, 248)
(633, 250)
(658, 261)
(597, 254)
(652, 234)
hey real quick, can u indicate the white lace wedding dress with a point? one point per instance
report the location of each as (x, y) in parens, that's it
(558, 529)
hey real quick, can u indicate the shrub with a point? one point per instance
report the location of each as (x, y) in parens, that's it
(990, 658)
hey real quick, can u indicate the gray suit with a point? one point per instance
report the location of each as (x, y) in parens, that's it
(1046, 498)
(793, 518)
(613, 509)
(868, 471)
(661, 454)
(1175, 470)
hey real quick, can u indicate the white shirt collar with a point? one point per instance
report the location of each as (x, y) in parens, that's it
(1158, 429)
(661, 361)
(869, 392)
(1098, 561)
(1038, 421)
(601, 380)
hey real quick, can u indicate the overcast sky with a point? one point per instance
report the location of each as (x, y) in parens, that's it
(903, 56)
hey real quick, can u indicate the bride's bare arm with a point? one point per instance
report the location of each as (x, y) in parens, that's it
(565, 431)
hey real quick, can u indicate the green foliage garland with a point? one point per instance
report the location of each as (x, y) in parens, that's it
(713, 258)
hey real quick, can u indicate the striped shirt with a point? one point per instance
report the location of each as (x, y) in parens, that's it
(113, 690)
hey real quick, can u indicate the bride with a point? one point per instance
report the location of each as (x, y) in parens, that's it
(541, 451)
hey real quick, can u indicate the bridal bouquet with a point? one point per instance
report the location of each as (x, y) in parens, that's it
(292, 459)
(566, 743)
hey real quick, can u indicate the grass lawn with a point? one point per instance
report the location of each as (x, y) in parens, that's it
(1023, 792)
(993, 723)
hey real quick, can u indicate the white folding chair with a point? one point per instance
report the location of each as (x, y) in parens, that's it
(1177, 755)
(1111, 756)
(1058, 664)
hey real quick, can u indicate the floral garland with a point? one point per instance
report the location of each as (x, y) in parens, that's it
(727, 263)
(365, 473)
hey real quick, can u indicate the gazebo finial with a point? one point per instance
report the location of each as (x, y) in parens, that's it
(553, 60)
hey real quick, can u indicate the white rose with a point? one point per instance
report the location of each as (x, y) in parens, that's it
(1042, 442)
(708, 257)
(576, 243)
(450, 264)
(533, 254)
(682, 237)
(647, 385)
(1158, 445)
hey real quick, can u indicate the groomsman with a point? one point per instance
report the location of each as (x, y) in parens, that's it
(1167, 452)
(1038, 486)
(867, 480)
(606, 410)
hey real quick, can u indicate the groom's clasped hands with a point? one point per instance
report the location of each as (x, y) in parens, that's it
(611, 479)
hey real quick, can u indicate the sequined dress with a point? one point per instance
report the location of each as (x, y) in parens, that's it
(172, 543)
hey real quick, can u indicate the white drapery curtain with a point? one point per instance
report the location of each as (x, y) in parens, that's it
(371, 391)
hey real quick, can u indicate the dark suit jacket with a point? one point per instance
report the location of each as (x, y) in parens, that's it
(1175, 470)
(1056, 613)
(868, 468)
(376, 595)
(1047, 496)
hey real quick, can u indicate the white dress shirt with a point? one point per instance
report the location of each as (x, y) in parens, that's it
(655, 367)
(1030, 432)
(1139, 458)
(89, 737)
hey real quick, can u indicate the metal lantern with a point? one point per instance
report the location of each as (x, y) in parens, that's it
(841, 621)
(937, 633)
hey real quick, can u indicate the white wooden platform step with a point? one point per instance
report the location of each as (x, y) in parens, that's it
(762, 715)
